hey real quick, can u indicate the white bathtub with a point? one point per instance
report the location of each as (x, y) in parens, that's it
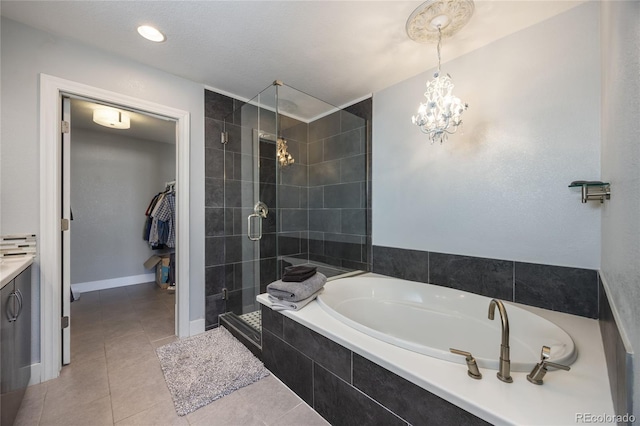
(430, 319)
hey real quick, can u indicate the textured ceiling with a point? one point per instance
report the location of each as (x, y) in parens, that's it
(339, 51)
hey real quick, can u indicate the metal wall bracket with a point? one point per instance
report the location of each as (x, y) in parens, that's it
(593, 190)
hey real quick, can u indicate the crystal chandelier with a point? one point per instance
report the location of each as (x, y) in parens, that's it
(284, 158)
(441, 114)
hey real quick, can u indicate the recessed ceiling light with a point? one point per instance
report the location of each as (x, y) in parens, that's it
(151, 33)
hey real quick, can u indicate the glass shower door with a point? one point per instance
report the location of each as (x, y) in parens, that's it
(250, 208)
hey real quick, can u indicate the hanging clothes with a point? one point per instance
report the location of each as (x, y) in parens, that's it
(165, 217)
(159, 228)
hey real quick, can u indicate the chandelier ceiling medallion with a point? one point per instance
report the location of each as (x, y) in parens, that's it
(441, 114)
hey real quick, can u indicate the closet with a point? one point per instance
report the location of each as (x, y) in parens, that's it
(114, 173)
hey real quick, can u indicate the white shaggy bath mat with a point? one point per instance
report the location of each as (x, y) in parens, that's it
(200, 369)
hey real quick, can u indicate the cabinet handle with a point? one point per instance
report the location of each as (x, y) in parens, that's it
(11, 312)
(20, 303)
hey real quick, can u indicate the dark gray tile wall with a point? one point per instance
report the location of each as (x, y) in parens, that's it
(293, 191)
(415, 404)
(341, 404)
(217, 107)
(571, 290)
(562, 289)
(339, 155)
(344, 387)
(619, 361)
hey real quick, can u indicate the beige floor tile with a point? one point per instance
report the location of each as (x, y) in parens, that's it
(115, 375)
(158, 329)
(79, 371)
(88, 354)
(128, 350)
(127, 401)
(118, 312)
(229, 410)
(301, 415)
(270, 399)
(94, 413)
(113, 293)
(85, 319)
(85, 347)
(137, 387)
(115, 303)
(29, 414)
(31, 407)
(36, 392)
(162, 413)
(143, 373)
(78, 384)
(120, 328)
(88, 296)
(153, 310)
(157, 343)
(144, 291)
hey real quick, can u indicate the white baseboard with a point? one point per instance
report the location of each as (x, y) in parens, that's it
(35, 374)
(196, 327)
(112, 283)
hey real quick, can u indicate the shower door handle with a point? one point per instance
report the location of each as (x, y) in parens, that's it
(249, 221)
(260, 210)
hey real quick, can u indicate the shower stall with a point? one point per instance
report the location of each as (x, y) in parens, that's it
(294, 189)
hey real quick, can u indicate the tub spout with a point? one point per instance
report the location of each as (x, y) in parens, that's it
(504, 372)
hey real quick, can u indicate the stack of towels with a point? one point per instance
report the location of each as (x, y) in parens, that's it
(299, 285)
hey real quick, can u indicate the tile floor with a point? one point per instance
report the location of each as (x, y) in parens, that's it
(115, 377)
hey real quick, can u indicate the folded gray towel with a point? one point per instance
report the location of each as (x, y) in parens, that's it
(293, 291)
(283, 305)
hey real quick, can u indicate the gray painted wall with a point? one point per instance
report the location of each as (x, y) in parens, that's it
(27, 52)
(620, 32)
(113, 178)
(499, 190)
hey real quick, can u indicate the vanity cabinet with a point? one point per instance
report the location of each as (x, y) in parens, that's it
(15, 344)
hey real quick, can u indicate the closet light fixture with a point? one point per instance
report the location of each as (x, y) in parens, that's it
(151, 33)
(441, 114)
(111, 118)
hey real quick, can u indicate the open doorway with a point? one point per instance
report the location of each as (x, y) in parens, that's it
(52, 322)
(120, 174)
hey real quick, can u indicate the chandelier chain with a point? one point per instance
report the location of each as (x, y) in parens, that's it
(439, 46)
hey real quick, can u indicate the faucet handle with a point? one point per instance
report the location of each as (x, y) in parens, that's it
(540, 369)
(545, 353)
(473, 370)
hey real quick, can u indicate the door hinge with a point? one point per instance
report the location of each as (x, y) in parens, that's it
(64, 224)
(64, 127)
(224, 137)
(64, 322)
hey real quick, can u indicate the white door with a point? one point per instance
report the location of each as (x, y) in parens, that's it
(66, 231)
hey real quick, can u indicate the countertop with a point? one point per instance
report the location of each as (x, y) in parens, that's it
(562, 398)
(11, 267)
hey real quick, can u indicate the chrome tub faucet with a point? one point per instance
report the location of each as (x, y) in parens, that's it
(504, 372)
